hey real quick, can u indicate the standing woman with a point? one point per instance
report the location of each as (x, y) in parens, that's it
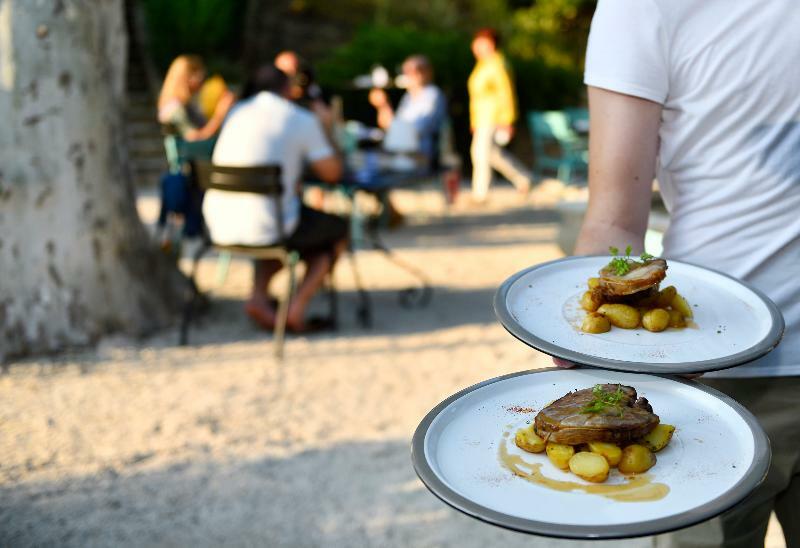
(175, 107)
(493, 110)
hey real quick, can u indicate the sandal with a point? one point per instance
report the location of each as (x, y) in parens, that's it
(258, 315)
(315, 324)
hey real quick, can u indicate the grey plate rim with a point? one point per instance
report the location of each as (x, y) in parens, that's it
(751, 479)
(763, 347)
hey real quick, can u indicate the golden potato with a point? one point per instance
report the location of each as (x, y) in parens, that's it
(636, 459)
(610, 451)
(621, 315)
(593, 282)
(595, 323)
(528, 440)
(681, 305)
(655, 320)
(589, 303)
(559, 454)
(676, 319)
(658, 438)
(589, 466)
(665, 296)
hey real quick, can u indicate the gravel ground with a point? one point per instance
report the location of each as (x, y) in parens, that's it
(144, 443)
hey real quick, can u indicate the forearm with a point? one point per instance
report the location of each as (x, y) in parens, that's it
(622, 155)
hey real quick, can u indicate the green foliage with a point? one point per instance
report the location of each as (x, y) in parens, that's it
(553, 31)
(539, 84)
(210, 28)
(389, 46)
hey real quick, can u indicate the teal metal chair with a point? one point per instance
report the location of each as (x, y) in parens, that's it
(557, 146)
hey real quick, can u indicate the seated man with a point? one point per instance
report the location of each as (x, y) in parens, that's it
(422, 106)
(264, 127)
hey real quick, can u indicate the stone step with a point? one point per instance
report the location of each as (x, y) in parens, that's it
(146, 150)
(135, 129)
(156, 163)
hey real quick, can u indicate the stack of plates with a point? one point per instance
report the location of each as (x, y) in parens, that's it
(718, 454)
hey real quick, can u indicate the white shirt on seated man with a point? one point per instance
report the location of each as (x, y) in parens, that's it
(265, 128)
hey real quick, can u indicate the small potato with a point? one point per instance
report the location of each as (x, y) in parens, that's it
(636, 459)
(593, 282)
(595, 323)
(621, 315)
(655, 320)
(681, 305)
(559, 454)
(589, 303)
(528, 440)
(610, 451)
(676, 319)
(665, 296)
(589, 466)
(658, 438)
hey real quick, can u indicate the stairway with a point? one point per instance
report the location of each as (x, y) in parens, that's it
(145, 144)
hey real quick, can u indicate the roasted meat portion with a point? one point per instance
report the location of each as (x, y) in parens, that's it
(607, 412)
(640, 277)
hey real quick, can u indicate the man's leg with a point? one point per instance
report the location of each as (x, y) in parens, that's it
(510, 168)
(317, 267)
(480, 151)
(258, 307)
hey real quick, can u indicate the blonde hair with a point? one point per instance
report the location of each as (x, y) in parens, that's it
(176, 82)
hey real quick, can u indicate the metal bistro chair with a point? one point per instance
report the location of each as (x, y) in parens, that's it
(264, 180)
(556, 145)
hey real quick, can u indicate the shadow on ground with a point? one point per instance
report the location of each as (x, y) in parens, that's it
(351, 494)
(473, 230)
(224, 320)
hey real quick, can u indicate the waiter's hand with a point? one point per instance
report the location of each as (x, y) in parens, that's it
(563, 363)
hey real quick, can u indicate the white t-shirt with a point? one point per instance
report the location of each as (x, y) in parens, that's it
(728, 75)
(265, 129)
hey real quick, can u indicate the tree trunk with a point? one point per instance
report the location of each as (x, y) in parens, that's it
(75, 261)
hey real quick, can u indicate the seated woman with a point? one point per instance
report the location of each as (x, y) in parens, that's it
(176, 109)
(265, 128)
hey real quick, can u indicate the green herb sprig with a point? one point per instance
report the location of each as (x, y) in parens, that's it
(622, 265)
(604, 400)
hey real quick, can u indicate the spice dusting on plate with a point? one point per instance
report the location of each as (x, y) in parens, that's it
(520, 409)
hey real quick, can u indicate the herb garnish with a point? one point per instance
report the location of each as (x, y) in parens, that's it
(622, 265)
(603, 400)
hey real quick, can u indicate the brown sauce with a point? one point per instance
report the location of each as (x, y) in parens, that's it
(637, 489)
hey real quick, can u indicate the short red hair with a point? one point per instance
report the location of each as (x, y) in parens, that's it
(488, 33)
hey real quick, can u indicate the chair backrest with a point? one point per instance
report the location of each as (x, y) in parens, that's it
(577, 115)
(264, 180)
(549, 126)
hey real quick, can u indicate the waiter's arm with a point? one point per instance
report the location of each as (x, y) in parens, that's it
(623, 145)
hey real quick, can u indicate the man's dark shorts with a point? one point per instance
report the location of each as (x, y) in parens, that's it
(317, 232)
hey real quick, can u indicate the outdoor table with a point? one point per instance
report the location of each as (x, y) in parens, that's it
(365, 231)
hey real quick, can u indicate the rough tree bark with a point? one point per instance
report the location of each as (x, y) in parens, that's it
(75, 261)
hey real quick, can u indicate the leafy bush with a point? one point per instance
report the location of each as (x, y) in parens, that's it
(210, 28)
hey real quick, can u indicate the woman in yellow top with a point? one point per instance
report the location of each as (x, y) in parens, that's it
(493, 110)
(175, 102)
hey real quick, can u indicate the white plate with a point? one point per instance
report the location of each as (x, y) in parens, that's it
(735, 323)
(717, 456)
